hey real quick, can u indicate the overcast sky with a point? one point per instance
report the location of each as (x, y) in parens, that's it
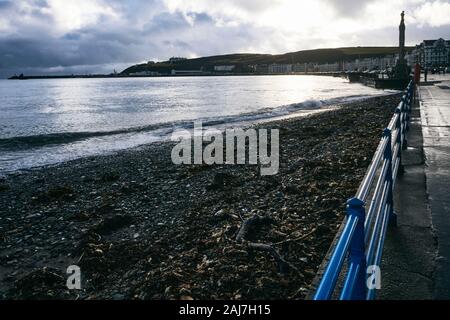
(78, 36)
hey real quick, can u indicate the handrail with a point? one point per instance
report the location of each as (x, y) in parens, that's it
(363, 235)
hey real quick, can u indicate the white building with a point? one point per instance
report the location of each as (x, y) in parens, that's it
(378, 63)
(224, 68)
(304, 67)
(145, 73)
(328, 67)
(280, 68)
(433, 53)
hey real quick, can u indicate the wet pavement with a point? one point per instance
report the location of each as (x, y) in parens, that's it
(435, 115)
(416, 257)
(410, 249)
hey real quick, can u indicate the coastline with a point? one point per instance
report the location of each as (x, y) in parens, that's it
(105, 76)
(142, 228)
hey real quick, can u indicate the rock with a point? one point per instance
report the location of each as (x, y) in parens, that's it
(221, 180)
(111, 176)
(40, 284)
(118, 297)
(110, 225)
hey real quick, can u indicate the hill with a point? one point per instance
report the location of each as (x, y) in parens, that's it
(244, 60)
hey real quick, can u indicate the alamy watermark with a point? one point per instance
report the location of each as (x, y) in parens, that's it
(74, 279)
(374, 277)
(231, 149)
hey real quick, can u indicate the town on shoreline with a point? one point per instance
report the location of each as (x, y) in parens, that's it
(378, 61)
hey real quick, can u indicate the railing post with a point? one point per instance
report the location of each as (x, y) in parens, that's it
(409, 102)
(404, 119)
(357, 253)
(389, 178)
(400, 140)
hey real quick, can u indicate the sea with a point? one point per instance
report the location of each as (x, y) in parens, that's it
(49, 121)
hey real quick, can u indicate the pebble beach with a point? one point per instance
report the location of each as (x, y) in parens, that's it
(140, 227)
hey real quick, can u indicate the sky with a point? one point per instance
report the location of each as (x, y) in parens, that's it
(98, 36)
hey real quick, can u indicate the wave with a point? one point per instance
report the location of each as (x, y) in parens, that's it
(36, 141)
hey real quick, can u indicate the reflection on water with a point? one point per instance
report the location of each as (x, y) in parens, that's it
(134, 111)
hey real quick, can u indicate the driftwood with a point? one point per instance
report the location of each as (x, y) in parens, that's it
(303, 237)
(249, 223)
(283, 265)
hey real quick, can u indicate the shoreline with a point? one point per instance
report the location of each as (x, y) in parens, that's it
(165, 139)
(142, 228)
(160, 133)
(105, 76)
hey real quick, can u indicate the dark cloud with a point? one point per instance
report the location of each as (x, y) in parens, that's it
(72, 36)
(85, 48)
(161, 35)
(140, 30)
(5, 4)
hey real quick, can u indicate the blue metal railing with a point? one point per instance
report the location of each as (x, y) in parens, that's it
(362, 238)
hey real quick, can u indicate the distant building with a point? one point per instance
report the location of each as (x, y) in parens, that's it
(364, 64)
(224, 68)
(186, 72)
(261, 68)
(432, 53)
(252, 68)
(299, 67)
(378, 63)
(280, 68)
(144, 73)
(328, 67)
(305, 67)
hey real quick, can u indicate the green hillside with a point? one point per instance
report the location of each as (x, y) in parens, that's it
(242, 61)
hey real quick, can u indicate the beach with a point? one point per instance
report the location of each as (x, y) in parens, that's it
(140, 227)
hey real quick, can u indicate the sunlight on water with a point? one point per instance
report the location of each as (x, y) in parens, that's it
(49, 121)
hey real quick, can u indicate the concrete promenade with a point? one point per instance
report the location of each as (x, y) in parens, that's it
(416, 260)
(435, 113)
